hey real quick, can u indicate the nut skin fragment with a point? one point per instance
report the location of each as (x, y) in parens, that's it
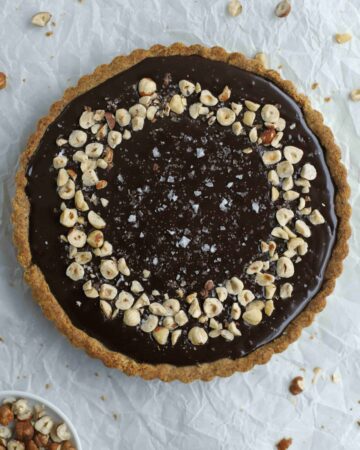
(284, 444)
(3, 80)
(297, 385)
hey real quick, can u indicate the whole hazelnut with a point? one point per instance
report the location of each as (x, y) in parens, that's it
(31, 446)
(68, 445)
(41, 440)
(6, 415)
(53, 446)
(24, 431)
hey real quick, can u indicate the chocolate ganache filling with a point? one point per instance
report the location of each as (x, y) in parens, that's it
(185, 202)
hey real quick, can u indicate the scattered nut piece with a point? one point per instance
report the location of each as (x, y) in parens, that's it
(286, 290)
(342, 38)
(186, 87)
(146, 86)
(176, 104)
(252, 317)
(234, 286)
(132, 317)
(248, 118)
(96, 221)
(297, 385)
(261, 57)
(197, 336)
(271, 157)
(283, 9)
(108, 269)
(264, 279)
(175, 336)
(41, 19)
(270, 113)
(3, 80)
(225, 116)
(302, 228)
(284, 169)
(77, 138)
(149, 324)
(255, 267)
(308, 172)
(234, 8)
(355, 95)
(161, 334)
(284, 215)
(285, 267)
(293, 154)
(225, 94)
(245, 297)
(236, 128)
(284, 444)
(316, 218)
(207, 99)
(212, 307)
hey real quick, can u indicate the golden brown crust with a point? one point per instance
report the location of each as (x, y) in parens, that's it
(166, 372)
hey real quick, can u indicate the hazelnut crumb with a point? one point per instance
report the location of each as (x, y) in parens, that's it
(3, 79)
(284, 444)
(297, 385)
(49, 33)
(327, 99)
(314, 86)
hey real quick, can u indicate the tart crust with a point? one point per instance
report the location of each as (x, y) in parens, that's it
(166, 372)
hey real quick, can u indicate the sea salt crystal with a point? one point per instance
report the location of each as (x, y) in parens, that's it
(184, 242)
(255, 206)
(205, 248)
(197, 193)
(156, 153)
(170, 179)
(223, 204)
(172, 196)
(213, 248)
(200, 152)
(132, 218)
(229, 185)
(195, 207)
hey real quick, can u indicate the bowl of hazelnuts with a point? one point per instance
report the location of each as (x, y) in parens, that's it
(28, 422)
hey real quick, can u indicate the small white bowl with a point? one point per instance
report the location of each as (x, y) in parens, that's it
(52, 410)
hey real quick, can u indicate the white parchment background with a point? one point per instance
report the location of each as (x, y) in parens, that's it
(251, 411)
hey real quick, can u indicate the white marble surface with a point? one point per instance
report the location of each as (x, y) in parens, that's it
(246, 411)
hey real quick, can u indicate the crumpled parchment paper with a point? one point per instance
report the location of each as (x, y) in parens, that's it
(246, 411)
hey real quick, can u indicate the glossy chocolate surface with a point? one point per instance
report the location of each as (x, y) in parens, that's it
(158, 176)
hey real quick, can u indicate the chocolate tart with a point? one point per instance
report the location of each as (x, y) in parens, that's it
(182, 213)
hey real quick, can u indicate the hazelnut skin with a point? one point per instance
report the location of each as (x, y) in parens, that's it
(41, 440)
(53, 446)
(6, 415)
(24, 431)
(31, 446)
(67, 445)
